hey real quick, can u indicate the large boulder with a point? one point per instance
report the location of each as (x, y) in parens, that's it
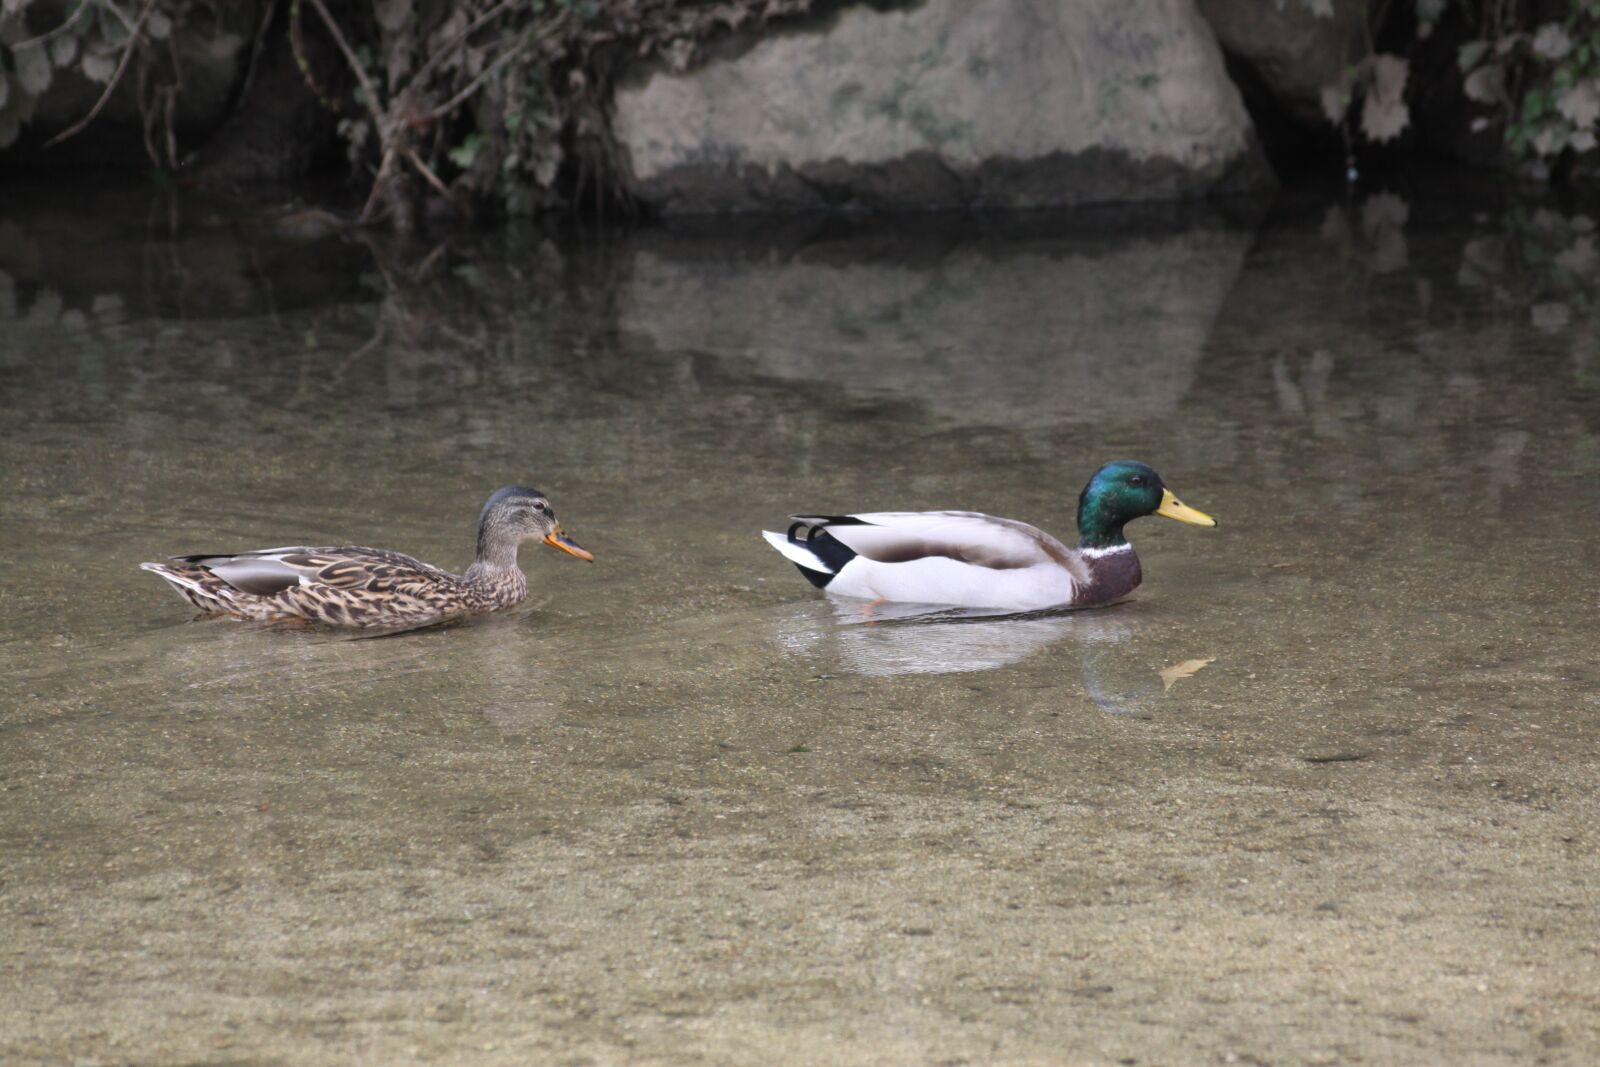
(944, 103)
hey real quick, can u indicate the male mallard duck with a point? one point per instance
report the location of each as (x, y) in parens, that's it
(373, 587)
(967, 559)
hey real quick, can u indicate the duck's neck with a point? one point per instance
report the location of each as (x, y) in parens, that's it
(1110, 560)
(497, 555)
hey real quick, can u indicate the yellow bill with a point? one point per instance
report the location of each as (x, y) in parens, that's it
(556, 539)
(1173, 508)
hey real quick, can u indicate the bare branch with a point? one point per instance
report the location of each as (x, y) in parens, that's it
(444, 50)
(77, 12)
(556, 25)
(369, 94)
(427, 172)
(256, 49)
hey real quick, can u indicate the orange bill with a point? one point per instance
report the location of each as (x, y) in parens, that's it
(556, 539)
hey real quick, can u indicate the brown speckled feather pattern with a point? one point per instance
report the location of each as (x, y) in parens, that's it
(347, 585)
(356, 586)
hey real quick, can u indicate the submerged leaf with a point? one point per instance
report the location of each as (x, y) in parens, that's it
(1187, 669)
(1383, 220)
(1481, 259)
(1382, 211)
(1469, 54)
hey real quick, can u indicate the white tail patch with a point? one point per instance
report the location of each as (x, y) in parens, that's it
(796, 553)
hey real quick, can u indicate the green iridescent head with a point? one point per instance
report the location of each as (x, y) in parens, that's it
(1124, 490)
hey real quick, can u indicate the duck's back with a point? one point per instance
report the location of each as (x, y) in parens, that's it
(957, 558)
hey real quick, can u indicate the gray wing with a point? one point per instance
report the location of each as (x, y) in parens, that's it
(272, 570)
(967, 536)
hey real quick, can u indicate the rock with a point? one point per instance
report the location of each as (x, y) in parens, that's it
(940, 104)
(1292, 50)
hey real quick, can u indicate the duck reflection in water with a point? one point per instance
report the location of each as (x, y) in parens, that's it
(883, 640)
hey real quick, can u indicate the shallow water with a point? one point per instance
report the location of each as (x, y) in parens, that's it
(1322, 792)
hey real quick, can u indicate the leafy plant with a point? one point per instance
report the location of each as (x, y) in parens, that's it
(1543, 81)
(1539, 80)
(487, 99)
(102, 42)
(1380, 83)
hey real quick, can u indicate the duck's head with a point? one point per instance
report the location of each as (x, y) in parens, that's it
(1122, 491)
(516, 514)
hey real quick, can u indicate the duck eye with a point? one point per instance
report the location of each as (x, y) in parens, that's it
(1137, 479)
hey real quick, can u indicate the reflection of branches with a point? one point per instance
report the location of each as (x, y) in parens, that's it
(394, 305)
(429, 260)
(160, 112)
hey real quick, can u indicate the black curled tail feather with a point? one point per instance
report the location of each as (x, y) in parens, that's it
(830, 550)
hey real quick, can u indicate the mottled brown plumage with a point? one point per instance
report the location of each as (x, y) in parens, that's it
(349, 585)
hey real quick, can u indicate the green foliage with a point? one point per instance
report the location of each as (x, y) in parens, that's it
(464, 153)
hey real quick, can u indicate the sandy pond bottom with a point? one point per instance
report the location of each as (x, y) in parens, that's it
(1324, 793)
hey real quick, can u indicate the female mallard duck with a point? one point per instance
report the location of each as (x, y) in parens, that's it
(373, 587)
(970, 560)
